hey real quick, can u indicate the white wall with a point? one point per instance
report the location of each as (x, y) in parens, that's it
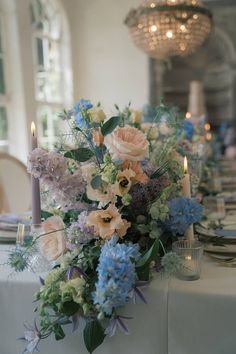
(107, 66)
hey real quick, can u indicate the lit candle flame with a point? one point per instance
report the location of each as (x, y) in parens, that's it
(208, 136)
(207, 127)
(188, 115)
(33, 129)
(185, 165)
(188, 258)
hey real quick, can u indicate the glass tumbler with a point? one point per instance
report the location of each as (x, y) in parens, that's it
(190, 253)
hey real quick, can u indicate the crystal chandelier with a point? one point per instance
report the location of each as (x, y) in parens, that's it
(164, 28)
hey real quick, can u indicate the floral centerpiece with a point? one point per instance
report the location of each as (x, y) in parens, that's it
(114, 206)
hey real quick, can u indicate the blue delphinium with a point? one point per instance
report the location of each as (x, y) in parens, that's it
(183, 212)
(79, 109)
(188, 129)
(116, 275)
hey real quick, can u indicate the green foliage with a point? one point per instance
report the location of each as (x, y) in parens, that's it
(110, 125)
(143, 266)
(69, 308)
(81, 154)
(172, 115)
(96, 182)
(161, 170)
(93, 335)
(58, 332)
(45, 215)
(70, 215)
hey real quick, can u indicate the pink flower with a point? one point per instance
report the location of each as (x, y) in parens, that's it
(127, 143)
(108, 222)
(53, 245)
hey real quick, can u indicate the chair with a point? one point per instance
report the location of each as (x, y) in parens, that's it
(15, 188)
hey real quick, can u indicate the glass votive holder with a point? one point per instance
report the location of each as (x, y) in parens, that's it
(190, 253)
(214, 208)
(30, 234)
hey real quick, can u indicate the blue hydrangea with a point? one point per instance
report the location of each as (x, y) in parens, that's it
(116, 275)
(183, 212)
(80, 107)
(188, 129)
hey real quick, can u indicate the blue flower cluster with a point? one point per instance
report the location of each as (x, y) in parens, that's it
(189, 129)
(80, 107)
(116, 275)
(183, 212)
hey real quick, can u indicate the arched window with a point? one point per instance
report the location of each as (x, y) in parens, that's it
(4, 143)
(48, 46)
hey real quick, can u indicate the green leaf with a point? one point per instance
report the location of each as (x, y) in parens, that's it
(161, 170)
(93, 335)
(45, 214)
(58, 331)
(81, 154)
(110, 125)
(69, 308)
(149, 256)
(143, 229)
(96, 182)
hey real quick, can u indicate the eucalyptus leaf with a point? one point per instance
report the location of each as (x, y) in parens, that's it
(96, 182)
(93, 335)
(81, 154)
(110, 125)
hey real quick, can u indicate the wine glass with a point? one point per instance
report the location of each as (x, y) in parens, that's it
(214, 209)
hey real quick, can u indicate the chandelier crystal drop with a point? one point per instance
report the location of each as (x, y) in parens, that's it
(165, 28)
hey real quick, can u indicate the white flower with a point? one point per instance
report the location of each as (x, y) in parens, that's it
(151, 130)
(96, 114)
(89, 170)
(136, 116)
(165, 129)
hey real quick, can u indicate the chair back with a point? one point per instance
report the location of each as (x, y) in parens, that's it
(15, 188)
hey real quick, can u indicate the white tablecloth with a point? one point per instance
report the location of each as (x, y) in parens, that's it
(181, 317)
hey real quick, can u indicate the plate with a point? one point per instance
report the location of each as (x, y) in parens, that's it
(7, 236)
(227, 249)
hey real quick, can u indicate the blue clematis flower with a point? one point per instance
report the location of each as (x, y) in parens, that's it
(80, 107)
(32, 336)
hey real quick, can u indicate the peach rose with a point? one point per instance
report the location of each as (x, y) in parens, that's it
(140, 176)
(108, 222)
(127, 143)
(98, 138)
(53, 245)
(123, 182)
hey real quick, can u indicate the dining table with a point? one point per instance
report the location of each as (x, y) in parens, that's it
(180, 317)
